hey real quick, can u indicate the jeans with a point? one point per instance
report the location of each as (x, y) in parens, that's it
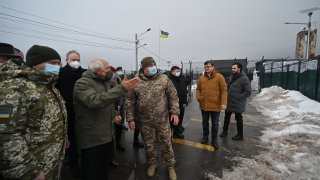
(214, 123)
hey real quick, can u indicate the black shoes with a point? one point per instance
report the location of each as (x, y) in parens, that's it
(223, 134)
(138, 144)
(204, 140)
(215, 144)
(237, 137)
(178, 135)
(120, 148)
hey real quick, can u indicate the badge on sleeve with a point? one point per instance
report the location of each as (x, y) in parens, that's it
(5, 112)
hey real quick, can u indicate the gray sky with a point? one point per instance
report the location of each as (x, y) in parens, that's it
(198, 30)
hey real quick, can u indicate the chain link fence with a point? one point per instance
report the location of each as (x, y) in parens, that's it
(297, 75)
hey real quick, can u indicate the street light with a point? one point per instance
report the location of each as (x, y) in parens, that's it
(309, 11)
(136, 49)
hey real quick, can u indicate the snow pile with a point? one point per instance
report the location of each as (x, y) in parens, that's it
(290, 141)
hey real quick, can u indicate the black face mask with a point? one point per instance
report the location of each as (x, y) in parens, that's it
(108, 76)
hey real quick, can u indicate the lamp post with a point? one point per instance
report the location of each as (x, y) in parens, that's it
(309, 11)
(136, 47)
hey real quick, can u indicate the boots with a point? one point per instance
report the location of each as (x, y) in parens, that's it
(172, 173)
(152, 170)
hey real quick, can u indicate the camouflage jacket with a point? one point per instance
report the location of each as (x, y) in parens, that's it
(32, 122)
(152, 100)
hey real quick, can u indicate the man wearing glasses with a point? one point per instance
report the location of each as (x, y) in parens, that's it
(212, 96)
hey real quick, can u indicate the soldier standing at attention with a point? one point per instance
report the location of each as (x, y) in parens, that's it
(151, 102)
(33, 123)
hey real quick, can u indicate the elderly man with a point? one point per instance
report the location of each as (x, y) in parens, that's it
(94, 97)
(151, 102)
(33, 123)
(68, 76)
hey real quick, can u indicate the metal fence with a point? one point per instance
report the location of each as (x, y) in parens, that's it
(297, 75)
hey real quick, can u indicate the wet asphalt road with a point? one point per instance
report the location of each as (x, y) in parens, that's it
(192, 162)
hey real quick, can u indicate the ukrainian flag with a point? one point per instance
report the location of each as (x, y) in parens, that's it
(164, 34)
(4, 114)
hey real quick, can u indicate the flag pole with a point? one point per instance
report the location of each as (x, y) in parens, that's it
(159, 46)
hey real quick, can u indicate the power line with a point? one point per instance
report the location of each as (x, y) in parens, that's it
(62, 23)
(55, 35)
(64, 41)
(70, 30)
(161, 59)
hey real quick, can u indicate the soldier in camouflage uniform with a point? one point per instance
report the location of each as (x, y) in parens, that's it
(151, 102)
(32, 117)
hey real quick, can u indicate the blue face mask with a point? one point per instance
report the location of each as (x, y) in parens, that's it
(54, 69)
(153, 70)
(178, 74)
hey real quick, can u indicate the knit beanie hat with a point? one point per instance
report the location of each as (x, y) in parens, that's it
(7, 50)
(40, 54)
(119, 68)
(147, 61)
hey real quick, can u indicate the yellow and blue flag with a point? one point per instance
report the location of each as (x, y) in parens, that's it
(164, 34)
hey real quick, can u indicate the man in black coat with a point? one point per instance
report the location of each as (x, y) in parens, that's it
(239, 89)
(68, 75)
(181, 88)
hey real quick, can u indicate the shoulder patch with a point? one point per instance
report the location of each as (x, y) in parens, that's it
(5, 111)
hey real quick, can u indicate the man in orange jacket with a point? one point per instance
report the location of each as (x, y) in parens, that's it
(212, 97)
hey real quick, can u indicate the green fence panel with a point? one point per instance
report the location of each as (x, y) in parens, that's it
(292, 80)
(267, 80)
(276, 79)
(307, 84)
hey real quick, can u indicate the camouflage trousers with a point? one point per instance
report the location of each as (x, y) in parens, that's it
(154, 133)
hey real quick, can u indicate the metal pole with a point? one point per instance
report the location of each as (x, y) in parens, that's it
(136, 42)
(308, 38)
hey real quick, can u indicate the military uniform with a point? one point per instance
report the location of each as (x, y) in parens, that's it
(151, 102)
(32, 122)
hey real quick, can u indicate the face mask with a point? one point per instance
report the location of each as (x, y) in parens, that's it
(153, 70)
(108, 76)
(119, 73)
(178, 74)
(74, 64)
(54, 69)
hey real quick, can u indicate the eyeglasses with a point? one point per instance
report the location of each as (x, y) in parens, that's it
(207, 67)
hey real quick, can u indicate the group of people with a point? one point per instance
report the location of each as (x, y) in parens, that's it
(214, 95)
(46, 109)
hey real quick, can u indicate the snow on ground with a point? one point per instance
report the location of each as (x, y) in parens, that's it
(290, 141)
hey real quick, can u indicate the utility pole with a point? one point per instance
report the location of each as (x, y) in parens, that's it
(136, 41)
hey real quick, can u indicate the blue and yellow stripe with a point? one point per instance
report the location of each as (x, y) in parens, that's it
(5, 114)
(164, 34)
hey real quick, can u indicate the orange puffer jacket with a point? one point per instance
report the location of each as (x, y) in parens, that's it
(212, 92)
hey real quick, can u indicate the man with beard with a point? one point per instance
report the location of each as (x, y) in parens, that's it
(239, 89)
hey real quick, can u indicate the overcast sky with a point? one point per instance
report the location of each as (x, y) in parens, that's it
(198, 29)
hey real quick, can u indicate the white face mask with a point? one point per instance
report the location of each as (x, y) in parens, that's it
(74, 64)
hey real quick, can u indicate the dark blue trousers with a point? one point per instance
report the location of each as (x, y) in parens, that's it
(214, 123)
